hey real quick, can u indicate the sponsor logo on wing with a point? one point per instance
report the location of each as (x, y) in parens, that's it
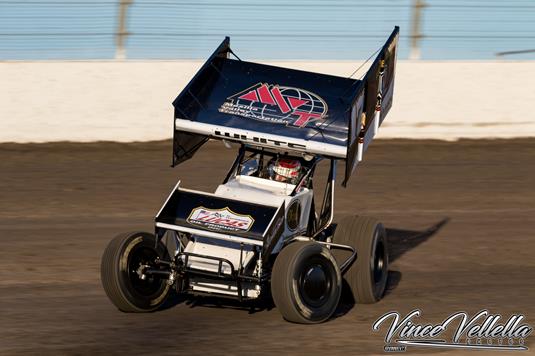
(276, 104)
(220, 219)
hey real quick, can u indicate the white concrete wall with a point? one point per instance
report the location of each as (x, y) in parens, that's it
(131, 101)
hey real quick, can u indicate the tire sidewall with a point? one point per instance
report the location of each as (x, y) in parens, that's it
(364, 235)
(379, 237)
(315, 314)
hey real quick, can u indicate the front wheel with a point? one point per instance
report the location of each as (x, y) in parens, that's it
(306, 283)
(126, 256)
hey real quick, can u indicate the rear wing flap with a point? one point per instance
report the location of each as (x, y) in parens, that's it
(371, 102)
(185, 144)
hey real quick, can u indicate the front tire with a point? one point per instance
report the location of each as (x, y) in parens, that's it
(123, 285)
(306, 283)
(367, 276)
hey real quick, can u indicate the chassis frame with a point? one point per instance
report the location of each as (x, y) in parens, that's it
(176, 270)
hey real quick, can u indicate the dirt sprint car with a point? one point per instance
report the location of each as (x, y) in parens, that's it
(259, 233)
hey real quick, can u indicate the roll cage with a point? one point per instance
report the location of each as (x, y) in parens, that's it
(309, 163)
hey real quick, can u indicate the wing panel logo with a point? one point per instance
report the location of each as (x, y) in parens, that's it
(277, 104)
(220, 219)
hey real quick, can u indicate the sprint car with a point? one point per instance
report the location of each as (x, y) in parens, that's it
(260, 233)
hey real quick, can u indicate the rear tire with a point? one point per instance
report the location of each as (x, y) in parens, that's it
(118, 272)
(367, 276)
(306, 283)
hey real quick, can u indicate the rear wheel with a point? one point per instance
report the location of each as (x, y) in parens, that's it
(126, 256)
(367, 276)
(306, 283)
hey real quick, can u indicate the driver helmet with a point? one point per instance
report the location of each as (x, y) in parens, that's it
(286, 170)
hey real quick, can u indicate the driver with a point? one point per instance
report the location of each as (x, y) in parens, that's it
(286, 170)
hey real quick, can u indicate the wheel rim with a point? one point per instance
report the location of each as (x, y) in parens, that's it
(315, 282)
(143, 256)
(379, 262)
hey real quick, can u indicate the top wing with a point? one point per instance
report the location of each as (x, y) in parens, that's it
(280, 108)
(268, 106)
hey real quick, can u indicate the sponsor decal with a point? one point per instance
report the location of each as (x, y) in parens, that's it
(220, 219)
(277, 104)
(259, 140)
(482, 331)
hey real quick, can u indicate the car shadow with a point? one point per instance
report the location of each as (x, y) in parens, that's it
(251, 306)
(400, 241)
(173, 300)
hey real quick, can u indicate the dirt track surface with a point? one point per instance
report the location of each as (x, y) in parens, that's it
(460, 217)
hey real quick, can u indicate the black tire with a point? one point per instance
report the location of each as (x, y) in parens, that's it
(123, 286)
(306, 283)
(367, 276)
